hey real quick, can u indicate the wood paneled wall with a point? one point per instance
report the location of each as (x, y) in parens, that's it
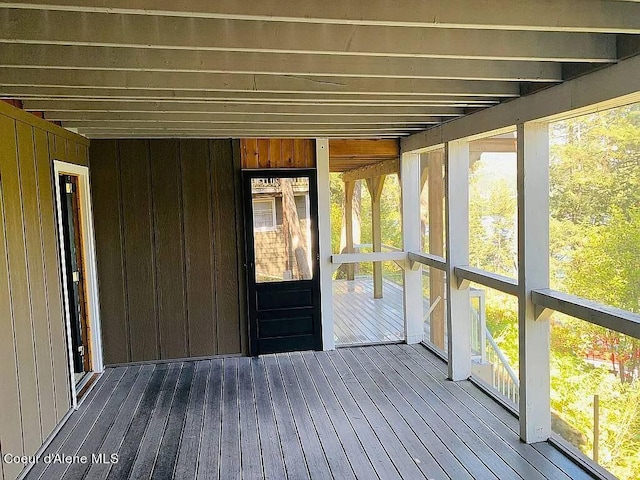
(278, 153)
(168, 242)
(35, 392)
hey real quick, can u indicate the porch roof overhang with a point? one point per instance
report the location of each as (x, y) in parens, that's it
(142, 68)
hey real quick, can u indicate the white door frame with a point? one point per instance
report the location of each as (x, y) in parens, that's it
(89, 262)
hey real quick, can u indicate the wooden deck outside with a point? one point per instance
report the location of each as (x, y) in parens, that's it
(382, 412)
(361, 319)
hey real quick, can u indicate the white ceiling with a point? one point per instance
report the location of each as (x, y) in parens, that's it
(336, 68)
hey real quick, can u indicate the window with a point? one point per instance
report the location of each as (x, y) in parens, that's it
(264, 214)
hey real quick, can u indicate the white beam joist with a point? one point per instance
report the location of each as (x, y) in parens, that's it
(239, 129)
(68, 109)
(267, 98)
(606, 88)
(209, 82)
(193, 125)
(147, 117)
(103, 29)
(557, 15)
(143, 59)
(340, 135)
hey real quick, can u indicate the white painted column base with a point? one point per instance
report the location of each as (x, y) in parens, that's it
(457, 226)
(533, 268)
(324, 229)
(413, 302)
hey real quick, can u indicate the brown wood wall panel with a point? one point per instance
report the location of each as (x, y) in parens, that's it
(179, 207)
(31, 429)
(107, 212)
(198, 235)
(34, 366)
(169, 249)
(10, 418)
(278, 153)
(226, 270)
(35, 265)
(62, 387)
(135, 177)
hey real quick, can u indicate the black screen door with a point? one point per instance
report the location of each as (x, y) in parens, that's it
(281, 212)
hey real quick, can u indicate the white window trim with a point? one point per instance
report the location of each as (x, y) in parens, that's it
(90, 265)
(272, 201)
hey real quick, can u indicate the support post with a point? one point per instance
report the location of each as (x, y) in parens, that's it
(349, 187)
(436, 244)
(457, 229)
(324, 229)
(376, 184)
(410, 188)
(533, 273)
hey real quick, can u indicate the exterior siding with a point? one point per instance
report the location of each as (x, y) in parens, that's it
(168, 247)
(278, 153)
(34, 368)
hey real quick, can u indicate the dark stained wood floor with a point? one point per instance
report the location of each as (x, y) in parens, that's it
(370, 412)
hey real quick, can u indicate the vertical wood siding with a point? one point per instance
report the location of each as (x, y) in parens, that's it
(278, 153)
(167, 244)
(34, 368)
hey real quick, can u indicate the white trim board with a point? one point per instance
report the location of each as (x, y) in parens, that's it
(324, 229)
(90, 266)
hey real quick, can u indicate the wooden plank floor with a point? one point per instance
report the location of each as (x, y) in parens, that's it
(377, 412)
(361, 319)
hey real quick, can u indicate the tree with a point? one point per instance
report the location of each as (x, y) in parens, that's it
(594, 246)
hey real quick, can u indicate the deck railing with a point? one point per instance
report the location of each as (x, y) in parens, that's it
(503, 378)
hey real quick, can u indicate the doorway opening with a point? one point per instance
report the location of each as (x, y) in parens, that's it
(77, 258)
(282, 255)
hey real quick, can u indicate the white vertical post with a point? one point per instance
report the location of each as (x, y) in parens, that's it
(457, 221)
(410, 187)
(533, 273)
(324, 229)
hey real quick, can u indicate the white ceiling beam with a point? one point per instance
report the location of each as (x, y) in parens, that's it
(282, 129)
(239, 98)
(613, 86)
(72, 28)
(556, 15)
(244, 132)
(74, 107)
(235, 119)
(209, 82)
(144, 59)
(213, 135)
(279, 127)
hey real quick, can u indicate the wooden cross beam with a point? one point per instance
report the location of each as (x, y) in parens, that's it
(388, 167)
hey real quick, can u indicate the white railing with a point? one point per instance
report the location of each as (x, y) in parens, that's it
(503, 378)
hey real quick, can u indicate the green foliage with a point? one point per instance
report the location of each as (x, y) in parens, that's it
(492, 215)
(596, 166)
(594, 243)
(594, 248)
(390, 220)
